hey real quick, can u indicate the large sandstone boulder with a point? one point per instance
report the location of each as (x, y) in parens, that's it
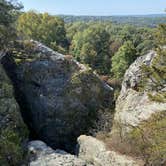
(12, 129)
(58, 96)
(42, 155)
(95, 152)
(134, 106)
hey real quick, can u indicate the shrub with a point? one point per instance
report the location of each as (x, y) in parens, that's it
(149, 139)
(11, 153)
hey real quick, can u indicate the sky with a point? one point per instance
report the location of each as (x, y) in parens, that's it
(96, 7)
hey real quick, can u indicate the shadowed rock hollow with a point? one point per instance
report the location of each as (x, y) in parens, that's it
(59, 97)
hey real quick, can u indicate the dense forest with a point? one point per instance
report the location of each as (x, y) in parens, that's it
(137, 20)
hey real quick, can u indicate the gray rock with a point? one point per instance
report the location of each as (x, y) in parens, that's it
(42, 155)
(59, 97)
(133, 106)
(95, 152)
(133, 75)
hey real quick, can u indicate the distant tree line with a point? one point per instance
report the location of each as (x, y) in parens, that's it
(141, 21)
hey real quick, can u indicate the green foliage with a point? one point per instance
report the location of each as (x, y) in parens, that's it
(154, 79)
(6, 90)
(92, 47)
(161, 34)
(144, 46)
(8, 13)
(12, 129)
(74, 28)
(149, 139)
(23, 51)
(45, 28)
(84, 39)
(122, 59)
(11, 153)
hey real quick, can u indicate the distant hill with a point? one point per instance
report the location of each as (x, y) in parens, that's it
(139, 20)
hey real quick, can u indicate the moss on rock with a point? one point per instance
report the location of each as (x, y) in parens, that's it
(12, 129)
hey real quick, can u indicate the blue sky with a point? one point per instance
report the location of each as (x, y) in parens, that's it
(96, 7)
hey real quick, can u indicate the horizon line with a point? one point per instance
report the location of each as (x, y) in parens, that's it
(69, 14)
(108, 15)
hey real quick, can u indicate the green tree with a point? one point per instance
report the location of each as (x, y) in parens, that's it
(92, 47)
(45, 28)
(161, 34)
(74, 28)
(122, 59)
(157, 76)
(8, 13)
(155, 79)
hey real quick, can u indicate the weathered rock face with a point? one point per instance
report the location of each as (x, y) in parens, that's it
(12, 129)
(58, 96)
(94, 151)
(133, 106)
(41, 154)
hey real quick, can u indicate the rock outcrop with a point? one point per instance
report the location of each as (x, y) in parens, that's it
(91, 152)
(59, 97)
(95, 152)
(13, 131)
(42, 155)
(134, 106)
